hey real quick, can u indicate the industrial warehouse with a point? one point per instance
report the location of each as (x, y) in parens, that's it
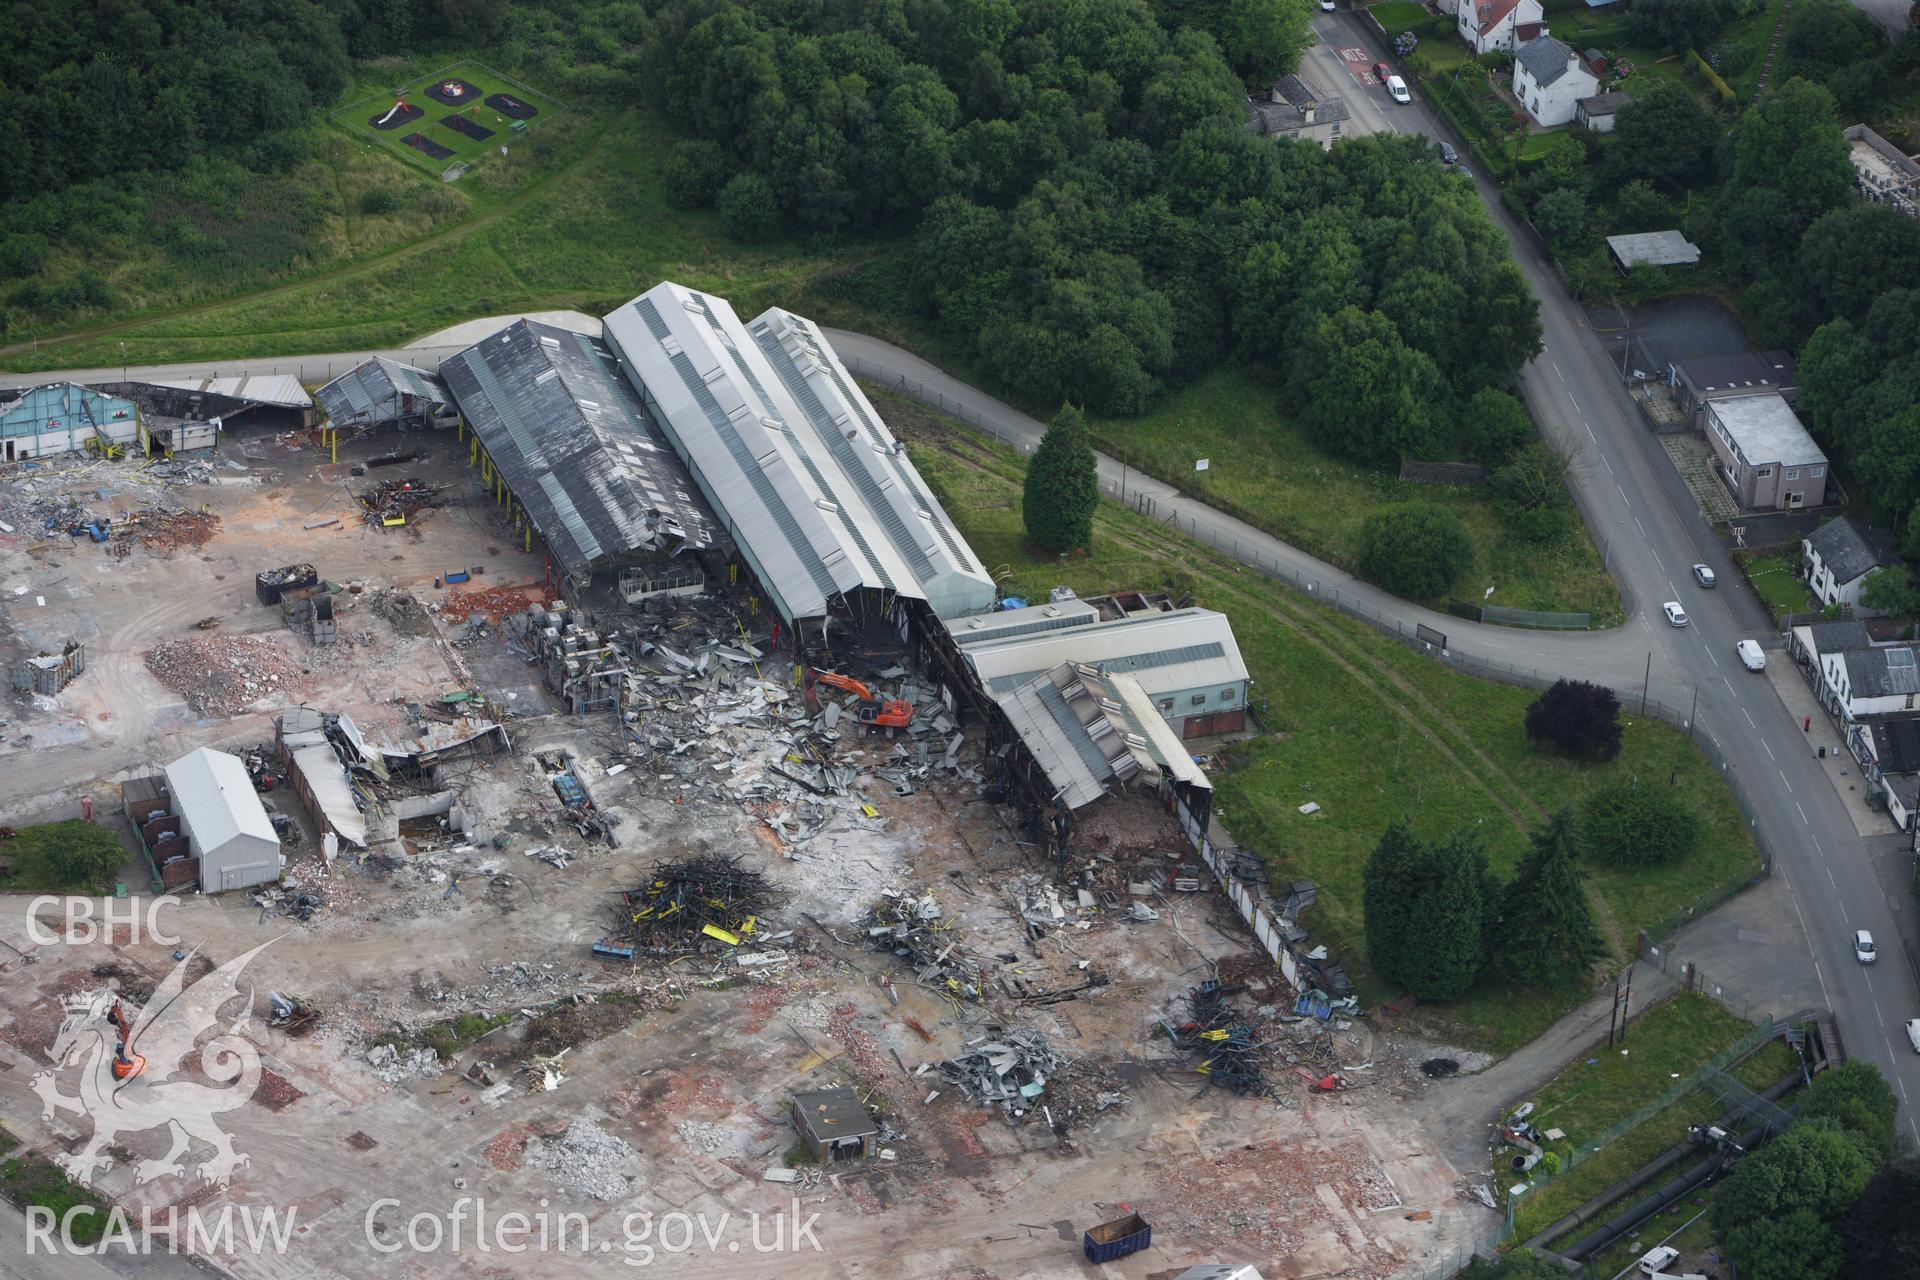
(639, 795)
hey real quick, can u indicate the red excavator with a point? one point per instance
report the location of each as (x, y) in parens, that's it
(890, 714)
(125, 1065)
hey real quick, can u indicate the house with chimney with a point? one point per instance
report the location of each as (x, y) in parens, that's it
(1487, 25)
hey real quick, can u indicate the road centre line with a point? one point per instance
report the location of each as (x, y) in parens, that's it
(1743, 711)
(1781, 772)
(1716, 662)
(1770, 755)
(1623, 495)
(1803, 812)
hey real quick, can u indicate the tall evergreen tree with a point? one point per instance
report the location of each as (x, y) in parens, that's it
(1547, 935)
(1391, 880)
(1063, 485)
(1448, 934)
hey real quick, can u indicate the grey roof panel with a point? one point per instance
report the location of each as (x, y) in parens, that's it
(577, 446)
(1849, 549)
(379, 390)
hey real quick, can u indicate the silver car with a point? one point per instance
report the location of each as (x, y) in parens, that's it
(1675, 614)
(1704, 576)
(1863, 949)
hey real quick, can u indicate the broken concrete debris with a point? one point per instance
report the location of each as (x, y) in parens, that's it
(587, 1159)
(396, 1067)
(222, 675)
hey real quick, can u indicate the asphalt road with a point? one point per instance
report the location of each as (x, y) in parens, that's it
(1651, 532)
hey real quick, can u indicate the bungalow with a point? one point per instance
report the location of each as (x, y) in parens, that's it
(1550, 80)
(1838, 556)
(1596, 114)
(1487, 25)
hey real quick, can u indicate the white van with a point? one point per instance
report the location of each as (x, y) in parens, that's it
(1397, 89)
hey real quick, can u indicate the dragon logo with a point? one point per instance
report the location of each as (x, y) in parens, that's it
(166, 1031)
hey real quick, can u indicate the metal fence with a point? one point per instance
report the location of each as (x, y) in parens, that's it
(1705, 1076)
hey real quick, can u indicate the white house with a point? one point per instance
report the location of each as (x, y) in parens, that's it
(1871, 680)
(226, 825)
(1487, 25)
(1549, 79)
(1840, 555)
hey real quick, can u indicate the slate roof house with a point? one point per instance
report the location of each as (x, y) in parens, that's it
(1293, 109)
(1596, 114)
(1549, 79)
(1838, 556)
(1487, 25)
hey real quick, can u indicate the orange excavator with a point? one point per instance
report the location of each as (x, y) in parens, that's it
(125, 1065)
(890, 714)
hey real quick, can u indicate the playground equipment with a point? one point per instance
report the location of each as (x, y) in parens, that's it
(399, 105)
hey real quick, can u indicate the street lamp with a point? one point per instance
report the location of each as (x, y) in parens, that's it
(123, 361)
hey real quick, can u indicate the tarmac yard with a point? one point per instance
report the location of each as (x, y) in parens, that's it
(469, 1058)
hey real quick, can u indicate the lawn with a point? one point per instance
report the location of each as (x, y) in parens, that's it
(591, 230)
(1596, 1093)
(487, 112)
(1356, 722)
(1265, 471)
(1772, 577)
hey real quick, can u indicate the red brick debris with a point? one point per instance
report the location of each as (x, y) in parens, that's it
(494, 603)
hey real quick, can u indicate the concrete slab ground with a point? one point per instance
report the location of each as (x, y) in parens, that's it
(472, 331)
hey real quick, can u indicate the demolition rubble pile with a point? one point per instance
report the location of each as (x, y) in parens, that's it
(163, 531)
(1011, 1072)
(398, 502)
(587, 1159)
(914, 928)
(1227, 1051)
(223, 675)
(680, 903)
(395, 1067)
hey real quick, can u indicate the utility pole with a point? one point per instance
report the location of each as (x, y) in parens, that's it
(1646, 681)
(1626, 1005)
(1693, 714)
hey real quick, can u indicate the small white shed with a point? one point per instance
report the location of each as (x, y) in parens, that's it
(226, 825)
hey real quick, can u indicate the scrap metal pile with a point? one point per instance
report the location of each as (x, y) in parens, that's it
(398, 502)
(1229, 1052)
(1011, 1072)
(915, 930)
(680, 903)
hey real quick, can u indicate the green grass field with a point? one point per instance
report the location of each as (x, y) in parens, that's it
(1266, 472)
(357, 116)
(1586, 1100)
(1354, 721)
(584, 224)
(1773, 581)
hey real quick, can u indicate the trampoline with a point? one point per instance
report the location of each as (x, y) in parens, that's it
(397, 116)
(427, 146)
(461, 125)
(511, 107)
(453, 93)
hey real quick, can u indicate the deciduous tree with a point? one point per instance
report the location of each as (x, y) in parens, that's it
(1577, 718)
(1882, 1231)
(1417, 550)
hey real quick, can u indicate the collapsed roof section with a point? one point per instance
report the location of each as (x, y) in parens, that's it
(802, 523)
(381, 390)
(849, 430)
(1167, 652)
(1091, 732)
(282, 390)
(577, 447)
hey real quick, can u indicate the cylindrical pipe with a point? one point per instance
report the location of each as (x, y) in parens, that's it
(1620, 1224)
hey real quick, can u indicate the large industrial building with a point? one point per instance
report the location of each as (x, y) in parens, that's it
(61, 417)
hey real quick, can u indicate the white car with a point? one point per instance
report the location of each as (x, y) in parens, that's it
(1863, 949)
(1704, 576)
(1913, 1033)
(1675, 614)
(1397, 90)
(1326, 6)
(1750, 655)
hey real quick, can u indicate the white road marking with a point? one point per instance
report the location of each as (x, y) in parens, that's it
(1590, 435)
(1770, 755)
(1604, 462)
(1643, 532)
(1825, 996)
(1743, 711)
(1573, 402)
(1556, 368)
(1716, 662)
(1883, 1023)
(1781, 772)
(1803, 812)
(1830, 879)
(1623, 495)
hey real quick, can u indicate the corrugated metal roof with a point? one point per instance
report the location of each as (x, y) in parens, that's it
(577, 446)
(1089, 732)
(261, 388)
(800, 520)
(1166, 652)
(378, 390)
(63, 406)
(898, 501)
(216, 799)
(1005, 624)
